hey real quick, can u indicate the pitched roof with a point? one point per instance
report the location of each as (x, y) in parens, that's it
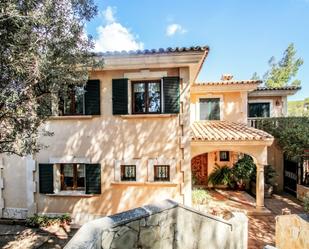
(264, 88)
(155, 51)
(229, 82)
(226, 131)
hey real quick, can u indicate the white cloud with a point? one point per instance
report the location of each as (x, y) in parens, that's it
(113, 36)
(174, 28)
(109, 14)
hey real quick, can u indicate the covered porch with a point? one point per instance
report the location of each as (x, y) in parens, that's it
(210, 137)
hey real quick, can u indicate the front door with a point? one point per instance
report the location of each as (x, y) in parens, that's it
(199, 166)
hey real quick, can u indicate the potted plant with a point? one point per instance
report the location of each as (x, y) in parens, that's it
(221, 176)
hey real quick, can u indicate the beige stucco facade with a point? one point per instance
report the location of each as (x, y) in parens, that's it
(111, 140)
(143, 140)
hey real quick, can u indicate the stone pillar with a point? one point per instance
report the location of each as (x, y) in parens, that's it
(259, 186)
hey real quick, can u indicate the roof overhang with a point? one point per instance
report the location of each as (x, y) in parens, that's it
(265, 142)
(162, 58)
(273, 92)
(206, 88)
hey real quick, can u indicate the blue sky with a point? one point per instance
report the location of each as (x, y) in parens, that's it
(242, 35)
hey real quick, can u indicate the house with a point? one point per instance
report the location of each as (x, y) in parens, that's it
(131, 135)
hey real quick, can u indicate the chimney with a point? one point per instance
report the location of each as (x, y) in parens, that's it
(226, 77)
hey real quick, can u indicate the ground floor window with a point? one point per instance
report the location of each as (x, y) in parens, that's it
(224, 156)
(161, 173)
(72, 176)
(128, 173)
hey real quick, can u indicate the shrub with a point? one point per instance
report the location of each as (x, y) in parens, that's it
(200, 196)
(244, 168)
(221, 175)
(44, 221)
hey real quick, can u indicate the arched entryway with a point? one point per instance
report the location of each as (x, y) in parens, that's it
(199, 168)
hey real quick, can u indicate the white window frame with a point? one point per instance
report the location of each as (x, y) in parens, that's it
(161, 161)
(209, 96)
(117, 170)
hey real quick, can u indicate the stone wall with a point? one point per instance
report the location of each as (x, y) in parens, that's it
(292, 231)
(164, 225)
(302, 191)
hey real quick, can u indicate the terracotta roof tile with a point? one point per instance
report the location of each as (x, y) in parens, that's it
(225, 131)
(155, 51)
(229, 82)
(264, 88)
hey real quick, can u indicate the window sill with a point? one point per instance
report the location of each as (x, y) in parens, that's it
(71, 193)
(161, 184)
(133, 116)
(71, 117)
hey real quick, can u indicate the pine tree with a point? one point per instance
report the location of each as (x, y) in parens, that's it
(43, 49)
(281, 73)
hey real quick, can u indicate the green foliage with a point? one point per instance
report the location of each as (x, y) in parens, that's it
(298, 108)
(43, 50)
(44, 221)
(281, 73)
(291, 134)
(200, 196)
(244, 168)
(221, 175)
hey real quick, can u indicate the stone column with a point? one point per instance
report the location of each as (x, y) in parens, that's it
(259, 186)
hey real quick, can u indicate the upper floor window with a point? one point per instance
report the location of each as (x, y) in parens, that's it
(162, 173)
(259, 110)
(72, 177)
(128, 173)
(72, 101)
(146, 97)
(210, 109)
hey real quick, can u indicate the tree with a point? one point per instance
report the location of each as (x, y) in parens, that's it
(43, 50)
(281, 73)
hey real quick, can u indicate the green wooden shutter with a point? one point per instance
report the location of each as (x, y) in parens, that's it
(120, 96)
(92, 97)
(93, 178)
(171, 94)
(46, 178)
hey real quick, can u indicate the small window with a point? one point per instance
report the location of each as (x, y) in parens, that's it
(161, 173)
(210, 109)
(224, 156)
(72, 177)
(128, 173)
(146, 97)
(259, 110)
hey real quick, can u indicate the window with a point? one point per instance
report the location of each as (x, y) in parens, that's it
(72, 177)
(161, 173)
(210, 109)
(224, 156)
(146, 97)
(259, 110)
(72, 103)
(128, 173)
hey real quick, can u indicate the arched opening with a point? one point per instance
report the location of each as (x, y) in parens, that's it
(204, 164)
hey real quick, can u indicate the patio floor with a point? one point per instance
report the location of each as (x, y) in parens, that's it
(261, 227)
